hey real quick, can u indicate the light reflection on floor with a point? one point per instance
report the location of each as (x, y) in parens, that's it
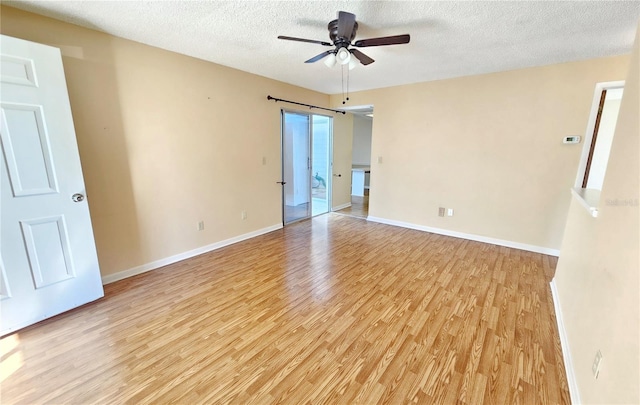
(12, 358)
(318, 206)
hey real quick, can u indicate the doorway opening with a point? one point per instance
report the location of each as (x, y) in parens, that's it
(602, 138)
(360, 162)
(597, 144)
(306, 165)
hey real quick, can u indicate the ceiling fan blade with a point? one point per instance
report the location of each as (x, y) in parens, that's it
(364, 59)
(346, 22)
(393, 40)
(318, 57)
(311, 41)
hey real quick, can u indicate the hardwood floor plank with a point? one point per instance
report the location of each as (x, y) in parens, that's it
(330, 310)
(359, 207)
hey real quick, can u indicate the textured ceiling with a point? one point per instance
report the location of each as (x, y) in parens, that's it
(448, 39)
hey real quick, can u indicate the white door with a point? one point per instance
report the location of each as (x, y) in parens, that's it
(47, 251)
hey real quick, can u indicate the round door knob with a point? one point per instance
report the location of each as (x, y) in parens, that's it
(77, 197)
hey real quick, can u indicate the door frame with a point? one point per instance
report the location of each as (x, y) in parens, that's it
(591, 126)
(329, 181)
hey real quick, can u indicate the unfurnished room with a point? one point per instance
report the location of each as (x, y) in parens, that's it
(338, 202)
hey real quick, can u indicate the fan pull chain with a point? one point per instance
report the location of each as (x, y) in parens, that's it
(348, 83)
(342, 78)
(345, 99)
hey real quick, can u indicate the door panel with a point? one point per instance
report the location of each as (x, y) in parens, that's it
(296, 170)
(16, 70)
(47, 250)
(4, 286)
(321, 164)
(27, 152)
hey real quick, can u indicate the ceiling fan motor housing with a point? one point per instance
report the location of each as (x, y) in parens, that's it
(341, 41)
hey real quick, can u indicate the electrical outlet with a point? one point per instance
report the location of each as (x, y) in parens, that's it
(264, 160)
(201, 226)
(449, 212)
(595, 367)
(243, 215)
(441, 211)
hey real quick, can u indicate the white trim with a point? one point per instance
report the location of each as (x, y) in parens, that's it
(564, 343)
(110, 278)
(469, 236)
(591, 124)
(589, 199)
(341, 207)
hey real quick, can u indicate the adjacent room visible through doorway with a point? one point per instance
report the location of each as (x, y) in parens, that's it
(360, 162)
(359, 206)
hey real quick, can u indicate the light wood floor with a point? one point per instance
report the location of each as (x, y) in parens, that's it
(329, 310)
(359, 206)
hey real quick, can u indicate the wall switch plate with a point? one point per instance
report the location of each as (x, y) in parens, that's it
(441, 211)
(264, 160)
(201, 226)
(449, 212)
(379, 159)
(595, 367)
(571, 139)
(243, 215)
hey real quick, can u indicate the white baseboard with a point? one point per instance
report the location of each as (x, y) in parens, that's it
(110, 278)
(341, 207)
(469, 236)
(564, 343)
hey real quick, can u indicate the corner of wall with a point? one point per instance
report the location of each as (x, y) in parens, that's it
(564, 343)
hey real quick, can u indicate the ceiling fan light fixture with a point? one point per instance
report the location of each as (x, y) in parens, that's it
(330, 61)
(353, 63)
(343, 56)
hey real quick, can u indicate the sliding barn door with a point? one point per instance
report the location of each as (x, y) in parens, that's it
(47, 250)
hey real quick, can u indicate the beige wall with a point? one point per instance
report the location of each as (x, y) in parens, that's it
(597, 273)
(488, 146)
(166, 141)
(362, 140)
(342, 147)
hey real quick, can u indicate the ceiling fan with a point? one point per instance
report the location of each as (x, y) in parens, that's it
(342, 31)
